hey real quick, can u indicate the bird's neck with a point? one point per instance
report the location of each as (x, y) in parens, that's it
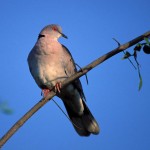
(41, 36)
(47, 37)
(46, 45)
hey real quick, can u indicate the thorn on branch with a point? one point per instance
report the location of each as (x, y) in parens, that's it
(117, 42)
(126, 55)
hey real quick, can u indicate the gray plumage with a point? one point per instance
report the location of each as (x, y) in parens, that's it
(51, 63)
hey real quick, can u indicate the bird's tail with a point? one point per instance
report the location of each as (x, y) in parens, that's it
(84, 124)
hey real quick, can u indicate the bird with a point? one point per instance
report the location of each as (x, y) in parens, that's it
(50, 63)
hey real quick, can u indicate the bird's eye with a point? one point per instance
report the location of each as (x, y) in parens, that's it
(55, 28)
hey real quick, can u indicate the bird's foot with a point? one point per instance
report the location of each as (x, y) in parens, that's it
(45, 92)
(58, 86)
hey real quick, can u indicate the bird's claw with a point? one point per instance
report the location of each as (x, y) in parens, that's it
(58, 86)
(45, 92)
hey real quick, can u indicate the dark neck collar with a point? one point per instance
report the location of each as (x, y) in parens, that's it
(40, 36)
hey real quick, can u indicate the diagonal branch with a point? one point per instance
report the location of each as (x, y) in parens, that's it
(77, 75)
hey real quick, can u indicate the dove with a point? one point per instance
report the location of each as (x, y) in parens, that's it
(50, 63)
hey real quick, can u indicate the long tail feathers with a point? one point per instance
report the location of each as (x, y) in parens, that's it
(84, 124)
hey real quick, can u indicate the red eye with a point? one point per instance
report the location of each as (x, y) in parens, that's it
(55, 28)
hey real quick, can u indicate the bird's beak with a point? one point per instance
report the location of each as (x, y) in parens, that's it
(63, 35)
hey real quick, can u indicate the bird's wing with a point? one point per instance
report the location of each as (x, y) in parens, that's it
(68, 62)
(70, 69)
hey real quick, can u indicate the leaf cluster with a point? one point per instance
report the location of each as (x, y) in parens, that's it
(140, 46)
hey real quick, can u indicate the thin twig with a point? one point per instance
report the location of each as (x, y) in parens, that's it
(116, 41)
(124, 53)
(130, 61)
(66, 115)
(85, 74)
(77, 75)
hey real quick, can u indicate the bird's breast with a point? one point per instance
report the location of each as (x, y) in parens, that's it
(47, 69)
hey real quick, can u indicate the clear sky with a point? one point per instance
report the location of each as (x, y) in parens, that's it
(112, 94)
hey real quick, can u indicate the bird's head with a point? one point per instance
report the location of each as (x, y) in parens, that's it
(54, 31)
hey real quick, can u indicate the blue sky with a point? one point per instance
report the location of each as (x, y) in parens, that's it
(112, 94)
